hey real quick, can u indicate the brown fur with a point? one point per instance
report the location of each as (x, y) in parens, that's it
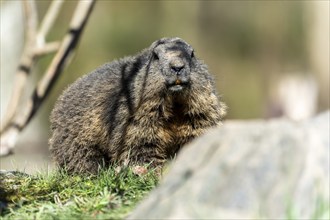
(142, 109)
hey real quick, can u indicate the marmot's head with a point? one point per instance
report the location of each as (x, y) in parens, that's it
(175, 60)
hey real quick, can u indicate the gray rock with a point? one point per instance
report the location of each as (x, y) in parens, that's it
(275, 169)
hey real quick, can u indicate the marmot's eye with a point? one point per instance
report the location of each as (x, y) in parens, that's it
(192, 54)
(155, 56)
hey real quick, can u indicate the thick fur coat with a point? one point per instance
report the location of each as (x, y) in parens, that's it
(139, 109)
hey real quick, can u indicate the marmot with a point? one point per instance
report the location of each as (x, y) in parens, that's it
(141, 109)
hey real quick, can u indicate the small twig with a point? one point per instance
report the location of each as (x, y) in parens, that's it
(60, 60)
(48, 21)
(47, 48)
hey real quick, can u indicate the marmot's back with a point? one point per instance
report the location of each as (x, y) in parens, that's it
(141, 109)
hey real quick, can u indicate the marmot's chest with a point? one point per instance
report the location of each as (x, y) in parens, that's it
(159, 127)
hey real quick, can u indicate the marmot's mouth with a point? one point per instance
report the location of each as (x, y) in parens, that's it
(177, 84)
(176, 88)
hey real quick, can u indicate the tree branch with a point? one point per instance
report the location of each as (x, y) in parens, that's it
(48, 21)
(60, 60)
(26, 62)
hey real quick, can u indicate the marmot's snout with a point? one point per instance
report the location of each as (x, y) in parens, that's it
(176, 58)
(179, 75)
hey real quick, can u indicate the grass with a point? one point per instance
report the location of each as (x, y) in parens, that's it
(109, 195)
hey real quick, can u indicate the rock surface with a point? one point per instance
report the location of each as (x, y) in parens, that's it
(247, 170)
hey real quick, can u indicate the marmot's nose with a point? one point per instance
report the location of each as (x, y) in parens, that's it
(177, 66)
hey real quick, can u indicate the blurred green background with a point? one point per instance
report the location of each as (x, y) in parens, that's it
(246, 44)
(249, 46)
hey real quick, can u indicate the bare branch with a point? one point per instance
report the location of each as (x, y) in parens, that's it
(60, 60)
(48, 21)
(31, 19)
(64, 54)
(35, 47)
(26, 62)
